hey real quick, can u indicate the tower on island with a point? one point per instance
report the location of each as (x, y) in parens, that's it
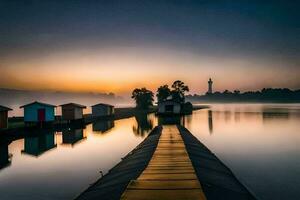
(210, 82)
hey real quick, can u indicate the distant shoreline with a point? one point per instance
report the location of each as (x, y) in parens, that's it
(266, 95)
(243, 102)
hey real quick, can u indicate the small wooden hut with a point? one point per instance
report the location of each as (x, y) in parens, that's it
(102, 110)
(38, 112)
(4, 116)
(72, 111)
(169, 107)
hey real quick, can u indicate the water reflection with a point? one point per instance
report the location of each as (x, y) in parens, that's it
(227, 115)
(144, 124)
(37, 145)
(249, 139)
(238, 134)
(72, 136)
(103, 126)
(237, 116)
(271, 114)
(210, 122)
(5, 157)
(178, 119)
(45, 172)
(187, 120)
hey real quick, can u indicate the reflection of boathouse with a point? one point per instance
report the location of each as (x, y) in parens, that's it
(103, 126)
(38, 145)
(4, 155)
(72, 136)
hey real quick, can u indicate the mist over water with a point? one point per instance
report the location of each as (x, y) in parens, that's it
(16, 98)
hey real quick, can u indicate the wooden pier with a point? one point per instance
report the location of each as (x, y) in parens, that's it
(169, 164)
(169, 174)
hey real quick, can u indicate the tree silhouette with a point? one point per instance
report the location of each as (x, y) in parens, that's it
(237, 92)
(143, 98)
(179, 89)
(162, 93)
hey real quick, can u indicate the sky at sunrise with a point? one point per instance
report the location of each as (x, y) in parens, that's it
(115, 46)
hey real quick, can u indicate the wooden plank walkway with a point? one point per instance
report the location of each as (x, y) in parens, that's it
(169, 174)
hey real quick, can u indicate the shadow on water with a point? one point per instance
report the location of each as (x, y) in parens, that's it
(39, 144)
(143, 126)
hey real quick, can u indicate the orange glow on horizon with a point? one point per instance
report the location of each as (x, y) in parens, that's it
(123, 69)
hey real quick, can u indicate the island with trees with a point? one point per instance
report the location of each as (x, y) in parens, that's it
(174, 95)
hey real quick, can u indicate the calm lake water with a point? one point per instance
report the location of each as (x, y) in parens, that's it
(259, 142)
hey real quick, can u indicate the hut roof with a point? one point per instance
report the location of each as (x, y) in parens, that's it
(40, 103)
(74, 105)
(103, 104)
(3, 108)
